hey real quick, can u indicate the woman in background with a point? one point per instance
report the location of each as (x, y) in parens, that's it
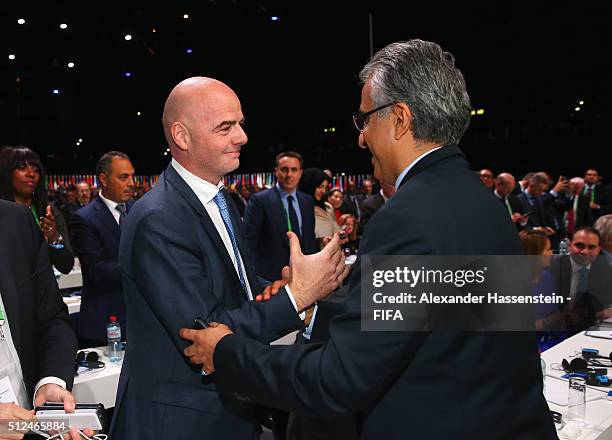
(548, 316)
(314, 182)
(334, 198)
(22, 180)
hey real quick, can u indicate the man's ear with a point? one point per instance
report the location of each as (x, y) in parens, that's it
(403, 124)
(180, 136)
(103, 178)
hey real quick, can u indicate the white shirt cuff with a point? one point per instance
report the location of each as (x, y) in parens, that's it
(48, 380)
(554, 193)
(308, 332)
(301, 315)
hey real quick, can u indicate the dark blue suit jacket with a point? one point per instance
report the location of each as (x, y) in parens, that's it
(175, 267)
(266, 227)
(96, 240)
(430, 385)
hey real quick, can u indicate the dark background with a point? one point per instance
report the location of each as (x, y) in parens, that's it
(528, 64)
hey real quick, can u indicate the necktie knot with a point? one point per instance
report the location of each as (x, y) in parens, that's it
(122, 210)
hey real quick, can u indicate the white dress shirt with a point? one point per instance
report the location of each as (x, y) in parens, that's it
(206, 192)
(111, 207)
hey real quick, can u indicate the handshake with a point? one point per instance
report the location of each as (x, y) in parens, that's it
(309, 277)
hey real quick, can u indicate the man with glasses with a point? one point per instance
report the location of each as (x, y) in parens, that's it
(418, 384)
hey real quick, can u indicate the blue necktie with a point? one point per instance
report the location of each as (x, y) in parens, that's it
(295, 224)
(225, 215)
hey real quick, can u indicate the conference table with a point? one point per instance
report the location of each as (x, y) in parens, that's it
(69, 282)
(101, 386)
(598, 412)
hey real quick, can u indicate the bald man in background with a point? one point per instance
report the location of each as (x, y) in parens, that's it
(183, 255)
(504, 185)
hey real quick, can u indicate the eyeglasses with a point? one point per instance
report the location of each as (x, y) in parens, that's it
(361, 119)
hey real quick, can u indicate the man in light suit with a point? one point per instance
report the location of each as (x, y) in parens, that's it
(183, 255)
(421, 384)
(96, 229)
(270, 214)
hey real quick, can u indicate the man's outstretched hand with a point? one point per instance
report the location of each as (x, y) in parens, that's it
(204, 343)
(313, 277)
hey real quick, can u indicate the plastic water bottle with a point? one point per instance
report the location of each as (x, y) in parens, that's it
(564, 247)
(113, 336)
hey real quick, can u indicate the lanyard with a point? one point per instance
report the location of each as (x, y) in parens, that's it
(35, 215)
(2, 335)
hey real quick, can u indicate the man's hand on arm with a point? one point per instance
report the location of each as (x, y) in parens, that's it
(273, 288)
(204, 343)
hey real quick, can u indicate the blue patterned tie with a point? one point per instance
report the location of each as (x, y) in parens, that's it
(225, 215)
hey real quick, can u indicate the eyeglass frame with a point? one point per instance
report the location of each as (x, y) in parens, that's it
(365, 116)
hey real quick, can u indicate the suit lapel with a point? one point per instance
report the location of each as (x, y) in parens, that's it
(192, 200)
(243, 249)
(277, 212)
(306, 226)
(10, 298)
(107, 218)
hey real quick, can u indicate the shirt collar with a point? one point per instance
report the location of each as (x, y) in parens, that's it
(497, 195)
(285, 194)
(411, 165)
(205, 191)
(110, 203)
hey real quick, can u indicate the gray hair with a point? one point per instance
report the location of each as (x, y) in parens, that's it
(422, 75)
(104, 164)
(604, 227)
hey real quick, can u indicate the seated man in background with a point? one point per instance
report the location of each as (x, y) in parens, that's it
(585, 277)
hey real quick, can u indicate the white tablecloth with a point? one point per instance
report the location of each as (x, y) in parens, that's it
(598, 409)
(98, 386)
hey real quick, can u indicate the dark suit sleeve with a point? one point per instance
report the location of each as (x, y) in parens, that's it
(253, 223)
(178, 286)
(90, 250)
(345, 375)
(368, 209)
(62, 259)
(56, 340)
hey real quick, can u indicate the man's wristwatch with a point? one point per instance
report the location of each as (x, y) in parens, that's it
(58, 243)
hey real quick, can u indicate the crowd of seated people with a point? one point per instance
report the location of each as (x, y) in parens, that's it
(571, 216)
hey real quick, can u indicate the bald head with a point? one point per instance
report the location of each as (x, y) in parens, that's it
(191, 100)
(203, 126)
(576, 185)
(504, 184)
